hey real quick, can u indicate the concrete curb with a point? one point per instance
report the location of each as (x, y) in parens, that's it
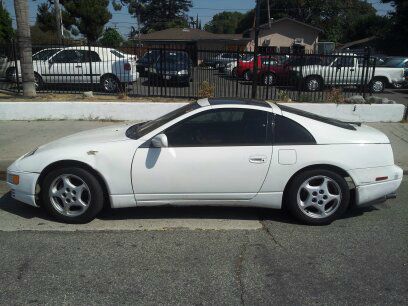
(139, 111)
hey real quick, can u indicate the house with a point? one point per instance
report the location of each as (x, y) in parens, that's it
(196, 42)
(284, 35)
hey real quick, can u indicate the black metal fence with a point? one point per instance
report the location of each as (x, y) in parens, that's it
(185, 71)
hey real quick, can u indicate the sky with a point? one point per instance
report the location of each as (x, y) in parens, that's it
(204, 8)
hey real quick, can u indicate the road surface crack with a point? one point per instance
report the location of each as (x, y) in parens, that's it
(270, 234)
(238, 272)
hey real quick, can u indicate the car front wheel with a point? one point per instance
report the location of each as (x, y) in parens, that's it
(318, 197)
(72, 195)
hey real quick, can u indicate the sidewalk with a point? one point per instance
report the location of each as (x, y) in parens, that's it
(19, 137)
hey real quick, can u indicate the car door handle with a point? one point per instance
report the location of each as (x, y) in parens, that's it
(257, 159)
(78, 66)
(352, 69)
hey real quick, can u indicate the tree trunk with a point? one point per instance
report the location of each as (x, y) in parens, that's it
(24, 44)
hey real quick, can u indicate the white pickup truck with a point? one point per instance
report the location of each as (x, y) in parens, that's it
(347, 69)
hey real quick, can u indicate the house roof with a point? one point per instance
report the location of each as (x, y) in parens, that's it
(180, 34)
(266, 25)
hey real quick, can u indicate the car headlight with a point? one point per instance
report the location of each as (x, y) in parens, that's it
(31, 153)
(182, 72)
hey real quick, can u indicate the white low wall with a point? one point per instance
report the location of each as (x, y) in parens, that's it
(354, 112)
(146, 111)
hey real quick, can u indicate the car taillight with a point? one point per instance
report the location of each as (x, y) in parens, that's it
(127, 66)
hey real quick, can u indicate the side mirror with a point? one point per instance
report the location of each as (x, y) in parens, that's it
(160, 141)
(50, 61)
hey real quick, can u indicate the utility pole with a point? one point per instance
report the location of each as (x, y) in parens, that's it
(269, 13)
(24, 45)
(256, 47)
(58, 18)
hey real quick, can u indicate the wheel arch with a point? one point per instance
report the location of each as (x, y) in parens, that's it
(80, 164)
(333, 168)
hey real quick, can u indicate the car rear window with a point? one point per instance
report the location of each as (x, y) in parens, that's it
(327, 120)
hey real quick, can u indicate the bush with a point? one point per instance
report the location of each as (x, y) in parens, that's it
(206, 90)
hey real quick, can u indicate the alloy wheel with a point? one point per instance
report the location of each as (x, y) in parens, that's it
(378, 86)
(69, 195)
(313, 85)
(110, 84)
(319, 197)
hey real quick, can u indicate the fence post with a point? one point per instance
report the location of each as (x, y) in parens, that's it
(90, 66)
(13, 47)
(236, 76)
(300, 79)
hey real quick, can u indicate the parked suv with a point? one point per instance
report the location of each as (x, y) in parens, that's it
(77, 65)
(172, 67)
(346, 69)
(149, 58)
(397, 62)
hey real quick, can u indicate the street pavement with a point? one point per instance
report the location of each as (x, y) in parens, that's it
(189, 257)
(198, 255)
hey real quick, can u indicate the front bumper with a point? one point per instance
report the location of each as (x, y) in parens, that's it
(171, 78)
(25, 191)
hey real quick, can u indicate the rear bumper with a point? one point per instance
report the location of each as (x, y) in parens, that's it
(373, 192)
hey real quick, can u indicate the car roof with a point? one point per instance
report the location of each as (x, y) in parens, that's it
(241, 101)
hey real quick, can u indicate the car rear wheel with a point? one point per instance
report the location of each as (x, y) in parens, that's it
(313, 83)
(72, 195)
(110, 83)
(377, 86)
(318, 197)
(269, 79)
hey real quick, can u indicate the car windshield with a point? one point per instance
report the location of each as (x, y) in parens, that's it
(117, 53)
(150, 56)
(392, 62)
(139, 130)
(247, 57)
(174, 58)
(44, 54)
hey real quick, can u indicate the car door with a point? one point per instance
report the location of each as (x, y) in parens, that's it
(216, 154)
(344, 71)
(64, 67)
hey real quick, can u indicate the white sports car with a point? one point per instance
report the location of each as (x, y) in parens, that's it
(212, 152)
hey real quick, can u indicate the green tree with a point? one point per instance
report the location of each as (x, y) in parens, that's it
(224, 23)
(338, 18)
(111, 38)
(87, 17)
(156, 15)
(395, 39)
(6, 28)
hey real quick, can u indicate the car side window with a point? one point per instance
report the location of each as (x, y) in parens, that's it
(67, 56)
(287, 131)
(345, 61)
(221, 127)
(89, 55)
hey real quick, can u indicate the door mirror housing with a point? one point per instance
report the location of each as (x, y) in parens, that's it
(160, 141)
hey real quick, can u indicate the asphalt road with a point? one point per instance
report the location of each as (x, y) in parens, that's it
(190, 257)
(223, 86)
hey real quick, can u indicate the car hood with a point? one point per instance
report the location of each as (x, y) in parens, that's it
(101, 135)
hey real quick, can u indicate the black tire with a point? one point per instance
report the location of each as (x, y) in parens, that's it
(377, 85)
(234, 73)
(247, 75)
(269, 79)
(313, 83)
(38, 81)
(9, 74)
(310, 214)
(96, 195)
(110, 83)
